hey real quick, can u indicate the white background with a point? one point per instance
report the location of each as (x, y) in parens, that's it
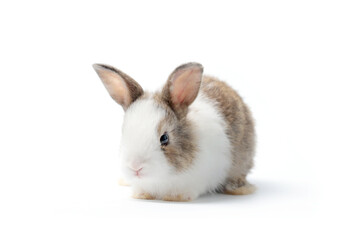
(296, 63)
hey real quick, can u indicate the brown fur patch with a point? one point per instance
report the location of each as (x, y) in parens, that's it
(240, 125)
(244, 190)
(176, 198)
(238, 186)
(143, 195)
(182, 147)
(145, 95)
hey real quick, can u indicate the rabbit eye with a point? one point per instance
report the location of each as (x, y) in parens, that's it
(164, 139)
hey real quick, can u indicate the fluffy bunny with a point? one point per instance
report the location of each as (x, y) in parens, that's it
(194, 136)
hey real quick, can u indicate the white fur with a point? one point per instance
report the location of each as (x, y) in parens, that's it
(141, 148)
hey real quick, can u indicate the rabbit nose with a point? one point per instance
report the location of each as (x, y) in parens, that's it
(137, 172)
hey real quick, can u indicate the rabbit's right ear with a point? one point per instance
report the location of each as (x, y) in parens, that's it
(182, 87)
(122, 88)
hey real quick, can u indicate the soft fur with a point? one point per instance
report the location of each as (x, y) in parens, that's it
(211, 135)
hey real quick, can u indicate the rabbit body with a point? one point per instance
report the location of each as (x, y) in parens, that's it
(206, 134)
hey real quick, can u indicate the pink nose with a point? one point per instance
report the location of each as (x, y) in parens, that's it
(137, 172)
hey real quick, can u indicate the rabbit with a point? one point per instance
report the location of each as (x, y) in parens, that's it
(194, 136)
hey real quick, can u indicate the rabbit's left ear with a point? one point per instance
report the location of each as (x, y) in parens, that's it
(122, 88)
(182, 87)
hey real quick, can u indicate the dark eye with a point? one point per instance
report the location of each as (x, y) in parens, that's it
(164, 139)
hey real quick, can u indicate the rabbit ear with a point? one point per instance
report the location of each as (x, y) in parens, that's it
(122, 88)
(183, 87)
